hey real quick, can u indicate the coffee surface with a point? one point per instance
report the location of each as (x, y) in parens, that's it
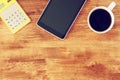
(100, 20)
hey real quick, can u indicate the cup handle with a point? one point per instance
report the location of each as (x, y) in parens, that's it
(112, 5)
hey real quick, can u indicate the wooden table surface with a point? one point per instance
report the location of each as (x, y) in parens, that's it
(34, 54)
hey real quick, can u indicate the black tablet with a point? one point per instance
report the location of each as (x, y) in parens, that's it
(59, 15)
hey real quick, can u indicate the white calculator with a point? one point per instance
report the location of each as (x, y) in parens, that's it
(13, 15)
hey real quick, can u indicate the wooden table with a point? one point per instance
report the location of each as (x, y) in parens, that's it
(34, 54)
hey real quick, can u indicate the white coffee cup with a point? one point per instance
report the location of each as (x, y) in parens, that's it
(95, 21)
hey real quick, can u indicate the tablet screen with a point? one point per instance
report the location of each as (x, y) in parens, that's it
(59, 15)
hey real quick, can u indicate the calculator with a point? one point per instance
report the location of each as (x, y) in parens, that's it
(13, 15)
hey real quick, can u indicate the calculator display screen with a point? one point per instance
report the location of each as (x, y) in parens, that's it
(59, 16)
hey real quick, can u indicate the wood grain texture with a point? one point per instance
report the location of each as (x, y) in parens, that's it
(33, 54)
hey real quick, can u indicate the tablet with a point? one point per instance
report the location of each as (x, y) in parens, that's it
(59, 16)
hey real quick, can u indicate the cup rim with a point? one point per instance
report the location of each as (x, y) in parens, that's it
(112, 19)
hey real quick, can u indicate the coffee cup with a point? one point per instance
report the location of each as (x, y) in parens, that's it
(101, 19)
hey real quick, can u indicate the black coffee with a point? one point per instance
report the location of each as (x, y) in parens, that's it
(100, 20)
